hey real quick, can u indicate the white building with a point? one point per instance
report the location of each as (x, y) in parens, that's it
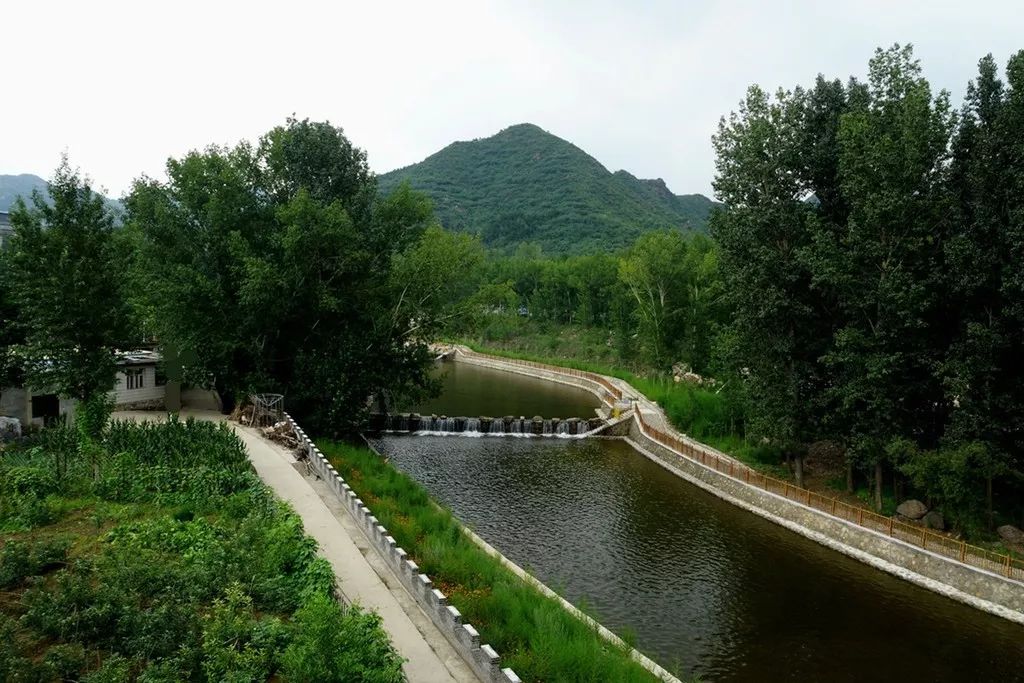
(139, 386)
(5, 229)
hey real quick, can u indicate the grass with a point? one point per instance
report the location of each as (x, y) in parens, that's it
(534, 634)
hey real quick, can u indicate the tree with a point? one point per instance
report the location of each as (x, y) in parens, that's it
(66, 275)
(673, 282)
(984, 360)
(778, 330)
(276, 267)
(11, 336)
(885, 266)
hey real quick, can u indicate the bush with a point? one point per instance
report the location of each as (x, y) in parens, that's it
(20, 559)
(332, 645)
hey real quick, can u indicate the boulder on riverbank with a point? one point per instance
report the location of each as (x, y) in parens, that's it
(1011, 534)
(933, 520)
(912, 509)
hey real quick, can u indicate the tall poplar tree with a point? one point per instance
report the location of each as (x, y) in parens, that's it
(885, 266)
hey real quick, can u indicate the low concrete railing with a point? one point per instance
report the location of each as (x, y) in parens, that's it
(485, 662)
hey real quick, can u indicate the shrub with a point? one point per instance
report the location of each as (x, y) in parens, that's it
(20, 559)
(332, 645)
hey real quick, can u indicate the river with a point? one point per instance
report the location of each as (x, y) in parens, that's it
(703, 585)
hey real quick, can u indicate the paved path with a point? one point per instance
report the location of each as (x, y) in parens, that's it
(362, 577)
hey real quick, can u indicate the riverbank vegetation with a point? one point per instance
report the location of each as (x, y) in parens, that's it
(535, 635)
(162, 557)
(860, 289)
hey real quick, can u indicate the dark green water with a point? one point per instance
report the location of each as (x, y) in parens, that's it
(472, 391)
(703, 585)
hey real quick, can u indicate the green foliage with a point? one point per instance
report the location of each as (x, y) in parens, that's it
(278, 268)
(237, 646)
(20, 559)
(71, 331)
(335, 647)
(537, 637)
(868, 253)
(526, 185)
(196, 572)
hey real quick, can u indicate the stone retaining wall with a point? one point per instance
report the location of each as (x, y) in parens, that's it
(485, 662)
(976, 587)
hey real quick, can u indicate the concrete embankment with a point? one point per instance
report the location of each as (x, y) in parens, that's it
(982, 585)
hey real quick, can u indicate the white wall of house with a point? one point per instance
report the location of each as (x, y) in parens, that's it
(148, 391)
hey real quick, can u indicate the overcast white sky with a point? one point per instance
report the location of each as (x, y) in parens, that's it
(640, 85)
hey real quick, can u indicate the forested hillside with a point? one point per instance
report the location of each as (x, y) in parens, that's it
(526, 185)
(24, 184)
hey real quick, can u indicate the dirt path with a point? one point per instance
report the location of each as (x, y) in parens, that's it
(362, 577)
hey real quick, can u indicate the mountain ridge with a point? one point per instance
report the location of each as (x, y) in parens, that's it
(524, 184)
(17, 185)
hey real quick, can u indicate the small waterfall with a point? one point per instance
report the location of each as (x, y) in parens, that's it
(444, 425)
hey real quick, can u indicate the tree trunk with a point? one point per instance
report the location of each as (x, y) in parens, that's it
(988, 500)
(798, 462)
(878, 486)
(849, 477)
(227, 398)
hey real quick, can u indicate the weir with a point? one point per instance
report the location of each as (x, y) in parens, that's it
(509, 425)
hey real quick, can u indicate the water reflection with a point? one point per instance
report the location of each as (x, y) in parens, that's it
(472, 391)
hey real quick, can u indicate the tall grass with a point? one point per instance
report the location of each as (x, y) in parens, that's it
(535, 635)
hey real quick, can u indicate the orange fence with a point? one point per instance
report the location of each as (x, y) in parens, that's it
(952, 548)
(960, 551)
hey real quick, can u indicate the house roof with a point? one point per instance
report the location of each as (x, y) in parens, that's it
(138, 357)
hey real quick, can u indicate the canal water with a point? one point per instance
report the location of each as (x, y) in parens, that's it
(472, 391)
(705, 587)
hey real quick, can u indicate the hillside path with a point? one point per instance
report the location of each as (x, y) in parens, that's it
(362, 578)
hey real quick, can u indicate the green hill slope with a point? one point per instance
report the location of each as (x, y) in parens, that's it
(22, 185)
(526, 185)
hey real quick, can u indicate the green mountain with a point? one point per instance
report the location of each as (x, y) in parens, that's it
(527, 185)
(14, 186)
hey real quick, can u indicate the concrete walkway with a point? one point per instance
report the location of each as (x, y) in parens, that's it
(362, 578)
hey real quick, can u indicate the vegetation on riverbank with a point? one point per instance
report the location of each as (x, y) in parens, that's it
(158, 555)
(534, 634)
(861, 289)
(703, 414)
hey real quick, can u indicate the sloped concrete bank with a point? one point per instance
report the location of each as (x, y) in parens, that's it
(974, 586)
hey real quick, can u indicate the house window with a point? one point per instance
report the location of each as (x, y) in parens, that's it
(134, 378)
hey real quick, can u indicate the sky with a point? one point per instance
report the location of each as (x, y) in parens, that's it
(122, 86)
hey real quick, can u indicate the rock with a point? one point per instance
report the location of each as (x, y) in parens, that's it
(1011, 534)
(911, 509)
(933, 520)
(10, 428)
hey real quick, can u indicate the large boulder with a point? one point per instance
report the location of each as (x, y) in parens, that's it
(1011, 534)
(912, 509)
(933, 520)
(10, 428)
